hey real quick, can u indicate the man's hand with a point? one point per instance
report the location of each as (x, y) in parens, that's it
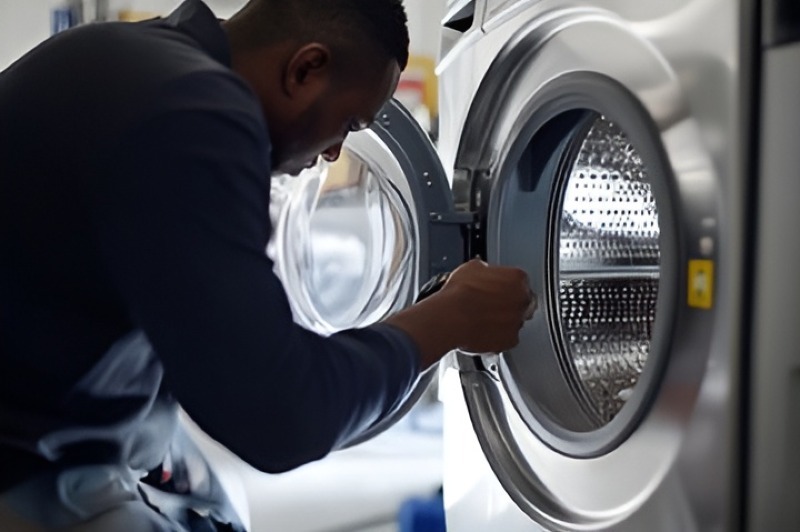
(493, 301)
(480, 308)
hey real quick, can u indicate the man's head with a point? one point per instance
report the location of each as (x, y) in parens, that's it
(322, 68)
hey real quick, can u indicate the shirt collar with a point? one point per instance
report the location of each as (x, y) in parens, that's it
(196, 19)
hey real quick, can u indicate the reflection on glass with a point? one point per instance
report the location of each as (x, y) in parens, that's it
(344, 244)
(608, 269)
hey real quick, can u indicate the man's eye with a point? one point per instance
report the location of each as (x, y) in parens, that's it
(357, 125)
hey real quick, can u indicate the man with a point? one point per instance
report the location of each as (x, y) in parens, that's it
(134, 186)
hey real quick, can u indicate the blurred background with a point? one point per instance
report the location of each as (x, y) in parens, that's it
(25, 23)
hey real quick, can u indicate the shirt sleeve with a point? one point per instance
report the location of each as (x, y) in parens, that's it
(182, 216)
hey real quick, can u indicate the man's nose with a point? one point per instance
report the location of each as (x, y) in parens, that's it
(332, 153)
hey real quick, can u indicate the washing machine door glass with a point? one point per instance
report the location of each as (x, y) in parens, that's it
(346, 247)
(352, 240)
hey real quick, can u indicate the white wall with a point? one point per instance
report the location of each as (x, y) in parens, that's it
(424, 18)
(25, 23)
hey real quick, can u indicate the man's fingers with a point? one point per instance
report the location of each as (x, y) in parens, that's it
(532, 306)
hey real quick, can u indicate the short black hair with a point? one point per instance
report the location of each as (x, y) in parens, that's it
(355, 25)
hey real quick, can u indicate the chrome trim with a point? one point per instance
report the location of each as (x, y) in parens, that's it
(509, 461)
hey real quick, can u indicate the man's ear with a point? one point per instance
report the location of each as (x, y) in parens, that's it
(308, 72)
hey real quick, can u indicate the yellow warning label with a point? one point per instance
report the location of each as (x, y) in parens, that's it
(701, 283)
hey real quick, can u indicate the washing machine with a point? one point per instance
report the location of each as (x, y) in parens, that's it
(639, 160)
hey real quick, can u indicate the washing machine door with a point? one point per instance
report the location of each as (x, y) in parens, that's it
(589, 172)
(354, 240)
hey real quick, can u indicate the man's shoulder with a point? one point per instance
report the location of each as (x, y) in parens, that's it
(155, 68)
(144, 53)
(207, 90)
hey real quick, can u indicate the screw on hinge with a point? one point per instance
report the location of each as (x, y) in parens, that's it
(454, 217)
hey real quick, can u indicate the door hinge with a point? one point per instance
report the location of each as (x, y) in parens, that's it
(470, 222)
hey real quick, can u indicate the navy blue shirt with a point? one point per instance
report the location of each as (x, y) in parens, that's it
(134, 197)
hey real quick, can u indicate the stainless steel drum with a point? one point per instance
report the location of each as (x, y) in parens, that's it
(607, 276)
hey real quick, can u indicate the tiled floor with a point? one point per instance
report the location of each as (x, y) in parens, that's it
(354, 490)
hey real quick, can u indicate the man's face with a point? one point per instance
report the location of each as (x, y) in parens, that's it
(346, 106)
